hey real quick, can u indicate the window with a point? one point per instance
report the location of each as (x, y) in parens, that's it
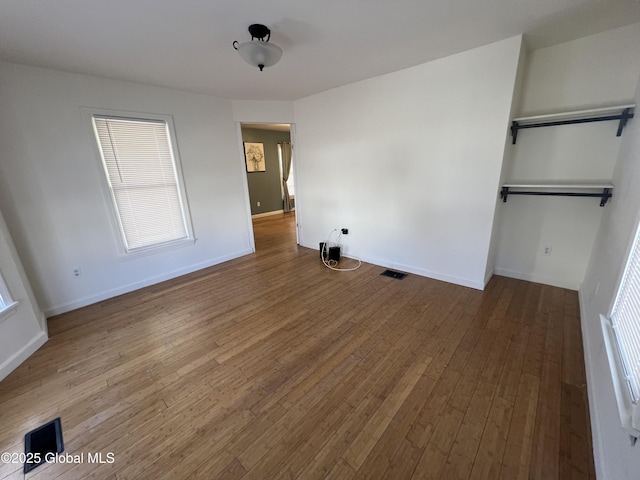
(290, 184)
(621, 334)
(143, 175)
(625, 321)
(7, 305)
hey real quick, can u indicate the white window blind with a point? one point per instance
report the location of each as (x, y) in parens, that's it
(141, 171)
(625, 320)
(4, 297)
(7, 304)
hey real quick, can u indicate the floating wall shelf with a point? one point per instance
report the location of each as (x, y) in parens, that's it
(559, 190)
(620, 113)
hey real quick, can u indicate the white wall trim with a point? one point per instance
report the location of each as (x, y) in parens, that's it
(8, 310)
(554, 282)
(14, 361)
(83, 302)
(411, 269)
(245, 185)
(594, 409)
(487, 277)
(437, 276)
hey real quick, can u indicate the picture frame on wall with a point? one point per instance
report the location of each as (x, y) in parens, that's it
(254, 157)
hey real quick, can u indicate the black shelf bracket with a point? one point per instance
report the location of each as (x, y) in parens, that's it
(626, 115)
(604, 196)
(514, 131)
(622, 118)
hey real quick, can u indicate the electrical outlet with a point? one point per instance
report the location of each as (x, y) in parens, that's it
(258, 204)
(76, 272)
(547, 251)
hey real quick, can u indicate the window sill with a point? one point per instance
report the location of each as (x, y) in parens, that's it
(629, 413)
(145, 251)
(8, 310)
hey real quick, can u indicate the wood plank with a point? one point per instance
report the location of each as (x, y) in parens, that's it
(372, 431)
(545, 458)
(517, 455)
(272, 366)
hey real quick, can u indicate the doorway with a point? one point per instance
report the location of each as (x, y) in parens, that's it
(267, 153)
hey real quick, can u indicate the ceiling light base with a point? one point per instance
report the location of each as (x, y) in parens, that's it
(259, 31)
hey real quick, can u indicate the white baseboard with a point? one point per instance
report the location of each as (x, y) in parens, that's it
(83, 302)
(554, 282)
(599, 458)
(268, 214)
(414, 270)
(464, 282)
(488, 276)
(14, 361)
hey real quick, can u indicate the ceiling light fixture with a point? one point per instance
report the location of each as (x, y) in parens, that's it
(259, 53)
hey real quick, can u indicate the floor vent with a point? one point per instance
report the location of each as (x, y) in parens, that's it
(393, 274)
(42, 443)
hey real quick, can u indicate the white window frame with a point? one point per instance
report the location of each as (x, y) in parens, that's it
(132, 253)
(8, 305)
(620, 346)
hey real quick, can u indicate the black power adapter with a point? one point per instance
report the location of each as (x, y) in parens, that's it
(329, 254)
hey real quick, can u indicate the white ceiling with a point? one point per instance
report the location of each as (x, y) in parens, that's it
(187, 44)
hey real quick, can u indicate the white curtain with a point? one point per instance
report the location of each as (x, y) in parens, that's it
(286, 171)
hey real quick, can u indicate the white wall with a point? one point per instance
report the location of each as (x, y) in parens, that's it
(410, 163)
(614, 456)
(24, 331)
(599, 70)
(498, 217)
(53, 193)
(261, 111)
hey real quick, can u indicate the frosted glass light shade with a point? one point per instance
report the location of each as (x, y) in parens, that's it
(260, 54)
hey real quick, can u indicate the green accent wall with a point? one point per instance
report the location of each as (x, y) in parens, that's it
(264, 187)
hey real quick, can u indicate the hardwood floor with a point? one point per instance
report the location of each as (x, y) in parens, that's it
(272, 366)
